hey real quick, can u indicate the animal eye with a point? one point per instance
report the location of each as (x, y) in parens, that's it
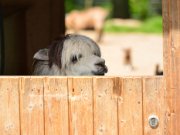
(96, 54)
(74, 59)
(80, 56)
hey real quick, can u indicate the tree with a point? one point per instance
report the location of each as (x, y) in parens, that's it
(121, 9)
(88, 3)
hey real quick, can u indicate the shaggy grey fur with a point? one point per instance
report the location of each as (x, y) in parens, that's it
(70, 55)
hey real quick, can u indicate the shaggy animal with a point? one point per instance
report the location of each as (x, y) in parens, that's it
(70, 55)
(90, 18)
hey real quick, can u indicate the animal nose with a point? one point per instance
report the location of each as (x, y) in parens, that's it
(102, 66)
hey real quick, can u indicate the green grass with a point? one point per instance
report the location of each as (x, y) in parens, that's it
(151, 25)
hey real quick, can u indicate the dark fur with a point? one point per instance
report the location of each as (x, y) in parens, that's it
(55, 51)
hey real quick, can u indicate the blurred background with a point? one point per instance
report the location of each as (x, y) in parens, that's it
(129, 32)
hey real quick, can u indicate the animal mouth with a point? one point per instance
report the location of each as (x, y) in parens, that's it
(102, 71)
(99, 74)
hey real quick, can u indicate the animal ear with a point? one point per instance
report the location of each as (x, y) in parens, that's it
(42, 54)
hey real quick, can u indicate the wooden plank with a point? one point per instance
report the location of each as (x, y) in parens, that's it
(80, 106)
(105, 106)
(9, 106)
(56, 106)
(130, 107)
(168, 70)
(153, 104)
(31, 106)
(171, 21)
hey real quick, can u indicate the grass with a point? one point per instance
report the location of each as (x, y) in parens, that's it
(151, 25)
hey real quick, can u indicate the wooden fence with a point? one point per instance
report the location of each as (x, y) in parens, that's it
(81, 105)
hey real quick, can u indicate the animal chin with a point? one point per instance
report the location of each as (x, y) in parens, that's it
(94, 73)
(98, 72)
(101, 70)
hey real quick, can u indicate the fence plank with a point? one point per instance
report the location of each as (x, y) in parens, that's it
(130, 107)
(56, 106)
(9, 106)
(171, 53)
(31, 106)
(105, 106)
(80, 106)
(153, 104)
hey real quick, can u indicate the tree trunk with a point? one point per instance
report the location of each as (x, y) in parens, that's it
(121, 9)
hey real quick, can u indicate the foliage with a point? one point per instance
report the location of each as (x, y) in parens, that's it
(69, 5)
(139, 8)
(79, 4)
(150, 25)
(153, 24)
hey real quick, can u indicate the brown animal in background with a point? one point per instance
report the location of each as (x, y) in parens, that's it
(90, 18)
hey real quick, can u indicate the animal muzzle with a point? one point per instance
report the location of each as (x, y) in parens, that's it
(101, 68)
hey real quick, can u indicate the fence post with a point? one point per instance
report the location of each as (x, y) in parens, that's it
(171, 24)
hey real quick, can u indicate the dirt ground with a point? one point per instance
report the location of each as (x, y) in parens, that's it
(146, 52)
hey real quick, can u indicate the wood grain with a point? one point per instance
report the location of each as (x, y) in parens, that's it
(31, 106)
(105, 106)
(80, 106)
(56, 106)
(9, 106)
(171, 53)
(153, 104)
(130, 107)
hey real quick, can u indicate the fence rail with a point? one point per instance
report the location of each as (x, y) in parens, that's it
(81, 105)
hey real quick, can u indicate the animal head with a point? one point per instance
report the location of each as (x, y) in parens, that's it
(70, 55)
